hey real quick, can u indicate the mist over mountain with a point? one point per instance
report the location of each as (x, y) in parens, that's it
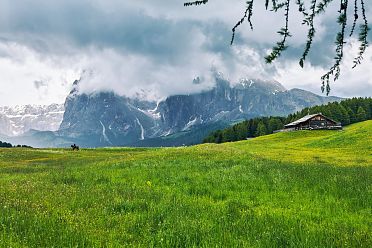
(107, 119)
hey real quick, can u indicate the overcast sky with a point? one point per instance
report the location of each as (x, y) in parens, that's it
(156, 48)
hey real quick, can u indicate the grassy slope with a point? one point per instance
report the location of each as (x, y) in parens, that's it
(301, 189)
(351, 147)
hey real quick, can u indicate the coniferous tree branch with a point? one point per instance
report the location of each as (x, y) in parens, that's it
(195, 3)
(311, 33)
(355, 17)
(284, 32)
(317, 7)
(273, 2)
(363, 34)
(301, 8)
(322, 6)
(340, 41)
(247, 15)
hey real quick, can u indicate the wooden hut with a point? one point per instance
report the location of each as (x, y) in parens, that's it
(313, 122)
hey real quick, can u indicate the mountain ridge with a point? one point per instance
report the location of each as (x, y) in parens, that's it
(107, 119)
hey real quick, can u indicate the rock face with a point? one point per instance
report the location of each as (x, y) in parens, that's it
(15, 121)
(106, 119)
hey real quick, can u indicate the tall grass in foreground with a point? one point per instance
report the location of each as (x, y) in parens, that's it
(233, 195)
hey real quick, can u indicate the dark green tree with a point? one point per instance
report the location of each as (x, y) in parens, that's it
(263, 125)
(361, 114)
(352, 115)
(5, 144)
(275, 124)
(335, 112)
(242, 130)
(228, 135)
(261, 129)
(219, 137)
(345, 118)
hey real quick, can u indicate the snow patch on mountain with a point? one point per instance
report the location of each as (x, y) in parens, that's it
(20, 119)
(142, 129)
(104, 133)
(190, 124)
(241, 109)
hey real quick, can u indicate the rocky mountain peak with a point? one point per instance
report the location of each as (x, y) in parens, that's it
(258, 84)
(107, 119)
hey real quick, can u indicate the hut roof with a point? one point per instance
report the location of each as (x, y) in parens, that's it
(306, 118)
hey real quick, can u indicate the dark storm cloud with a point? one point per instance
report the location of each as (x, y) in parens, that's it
(44, 25)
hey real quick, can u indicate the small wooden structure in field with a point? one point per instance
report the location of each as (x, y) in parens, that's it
(313, 122)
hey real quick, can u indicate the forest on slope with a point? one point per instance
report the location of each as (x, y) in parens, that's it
(346, 112)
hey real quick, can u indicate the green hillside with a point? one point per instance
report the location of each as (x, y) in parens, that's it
(348, 111)
(350, 147)
(299, 189)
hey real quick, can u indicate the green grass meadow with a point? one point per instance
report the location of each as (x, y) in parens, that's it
(299, 189)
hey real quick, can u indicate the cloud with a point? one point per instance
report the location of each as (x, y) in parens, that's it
(28, 78)
(130, 74)
(38, 84)
(352, 82)
(157, 47)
